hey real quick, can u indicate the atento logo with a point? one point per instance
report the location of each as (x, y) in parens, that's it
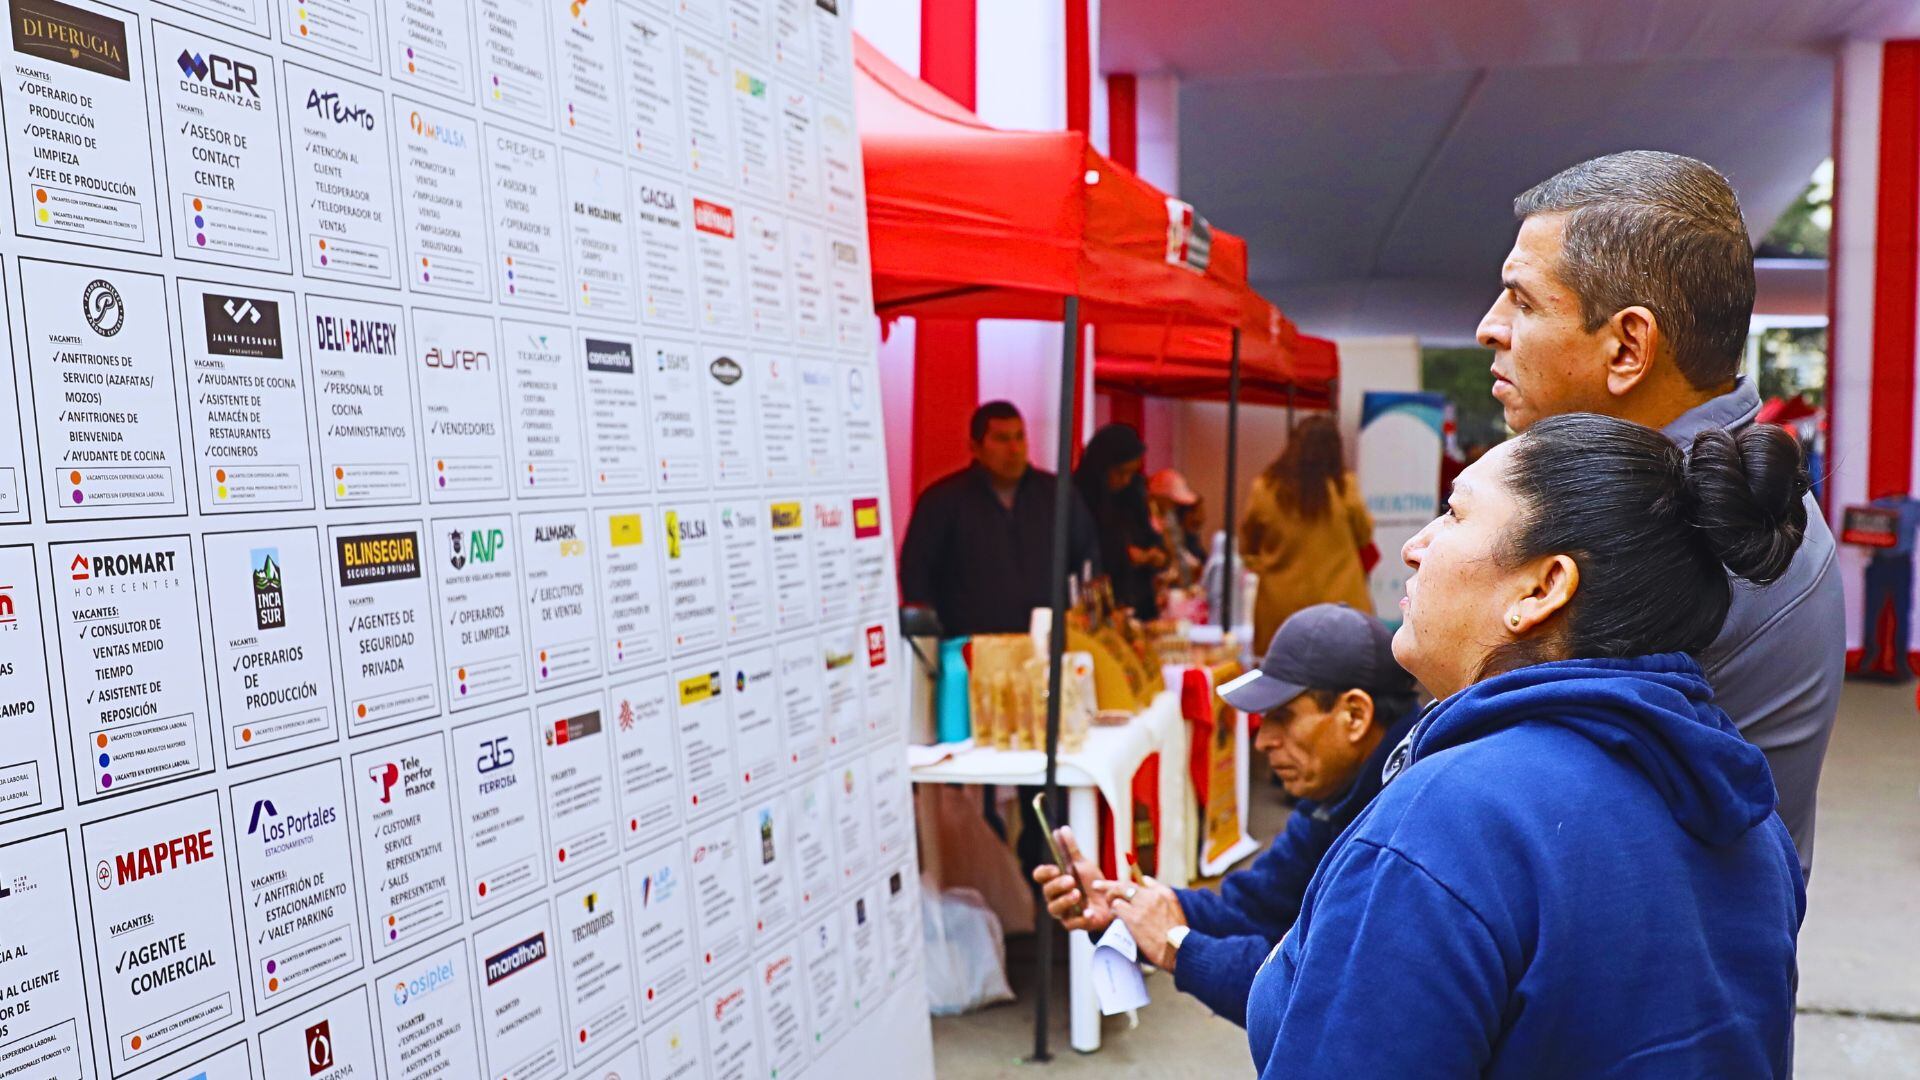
(102, 306)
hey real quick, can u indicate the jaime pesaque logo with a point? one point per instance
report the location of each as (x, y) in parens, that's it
(242, 326)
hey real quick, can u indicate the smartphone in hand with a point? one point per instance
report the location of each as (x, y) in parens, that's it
(1059, 856)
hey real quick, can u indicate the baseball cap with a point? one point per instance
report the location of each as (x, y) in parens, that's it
(1323, 647)
(1168, 484)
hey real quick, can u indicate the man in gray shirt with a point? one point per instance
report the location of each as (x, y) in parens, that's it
(1628, 292)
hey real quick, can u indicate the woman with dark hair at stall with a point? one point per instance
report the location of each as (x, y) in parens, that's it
(1307, 532)
(1575, 869)
(1110, 480)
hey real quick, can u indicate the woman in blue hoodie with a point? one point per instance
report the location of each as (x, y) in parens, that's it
(1576, 870)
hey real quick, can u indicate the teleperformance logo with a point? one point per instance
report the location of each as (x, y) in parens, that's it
(373, 558)
(386, 777)
(67, 35)
(219, 78)
(516, 958)
(610, 357)
(100, 302)
(269, 599)
(154, 859)
(344, 334)
(713, 218)
(242, 326)
(329, 105)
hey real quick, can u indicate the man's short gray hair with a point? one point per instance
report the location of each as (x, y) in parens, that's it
(1663, 232)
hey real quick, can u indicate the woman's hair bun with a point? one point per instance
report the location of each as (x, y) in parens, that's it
(1747, 493)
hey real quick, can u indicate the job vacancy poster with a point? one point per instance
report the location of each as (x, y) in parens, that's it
(444, 561)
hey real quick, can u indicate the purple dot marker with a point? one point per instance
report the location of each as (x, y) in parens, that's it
(511, 290)
(323, 260)
(393, 935)
(443, 481)
(463, 689)
(543, 672)
(409, 52)
(424, 276)
(201, 238)
(79, 496)
(106, 780)
(272, 966)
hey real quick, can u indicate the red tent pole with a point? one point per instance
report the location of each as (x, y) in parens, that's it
(1063, 496)
(1229, 583)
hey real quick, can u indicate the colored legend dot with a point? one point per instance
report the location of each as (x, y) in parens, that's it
(221, 491)
(135, 1042)
(563, 855)
(106, 780)
(633, 824)
(483, 888)
(340, 490)
(199, 221)
(44, 216)
(272, 985)
(649, 993)
(74, 477)
(100, 741)
(198, 206)
(246, 734)
(220, 475)
(104, 759)
(40, 194)
(360, 710)
(200, 238)
(339, 473)
(696, 800)
(79, 496)
(583, 1035)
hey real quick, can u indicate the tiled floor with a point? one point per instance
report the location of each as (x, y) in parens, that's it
(1859, 949)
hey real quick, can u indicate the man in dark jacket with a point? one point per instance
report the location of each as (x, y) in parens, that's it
(1334, 705)
(980, 542)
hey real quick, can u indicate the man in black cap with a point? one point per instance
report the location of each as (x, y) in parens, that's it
(1335, 706)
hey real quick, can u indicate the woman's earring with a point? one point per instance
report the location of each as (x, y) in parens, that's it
(1513, 620)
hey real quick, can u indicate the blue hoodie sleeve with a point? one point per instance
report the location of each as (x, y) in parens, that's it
(1263, 899)
(1220, 970)
(1387, 973)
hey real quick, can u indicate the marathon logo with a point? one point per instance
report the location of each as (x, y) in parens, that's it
(516, 958)
(866, 519)
(373, 558)
(610, 357)
(698, 688)
(713, 218)
(156, 859)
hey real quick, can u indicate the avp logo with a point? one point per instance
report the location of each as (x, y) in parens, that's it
(220, 73)
(483, 545)
(101, 304)
(386, 776)
(263, 811)
(319, 1048)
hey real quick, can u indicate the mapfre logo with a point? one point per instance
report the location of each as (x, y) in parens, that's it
(154, 859)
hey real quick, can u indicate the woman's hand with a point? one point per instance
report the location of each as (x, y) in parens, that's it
(1061, 889)
(1150, 556)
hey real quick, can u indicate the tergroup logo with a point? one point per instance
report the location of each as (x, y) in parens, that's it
(154, 859)
(440, 133)
(67, 35)
(328, 105)
(516, 958)
(713, 218)
(242, 326)
(100, 303)
(212, 75)
(269, 599)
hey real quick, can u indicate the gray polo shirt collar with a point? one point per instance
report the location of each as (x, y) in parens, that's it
(1732, 411)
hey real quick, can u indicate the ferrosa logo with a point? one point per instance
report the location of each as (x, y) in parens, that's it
(242, 326)
(102, 306)
(67, 35)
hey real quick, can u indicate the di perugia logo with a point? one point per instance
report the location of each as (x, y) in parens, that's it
(103, 308)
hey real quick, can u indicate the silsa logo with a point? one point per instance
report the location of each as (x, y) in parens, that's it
(328, 106)
(235, 77)
(386, 776)
(269, 599)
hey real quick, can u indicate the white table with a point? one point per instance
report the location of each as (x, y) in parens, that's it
(1104, 766)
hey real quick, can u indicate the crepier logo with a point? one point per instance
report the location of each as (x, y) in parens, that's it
(101, 304)
(67, 35)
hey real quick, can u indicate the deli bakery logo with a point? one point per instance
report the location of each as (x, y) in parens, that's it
(222, 78)
(66, 35)
(242, 326)
(516, 958)
(341, 334)
(372, 558)
(610, 357)
(713, 218)
(269, 599)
